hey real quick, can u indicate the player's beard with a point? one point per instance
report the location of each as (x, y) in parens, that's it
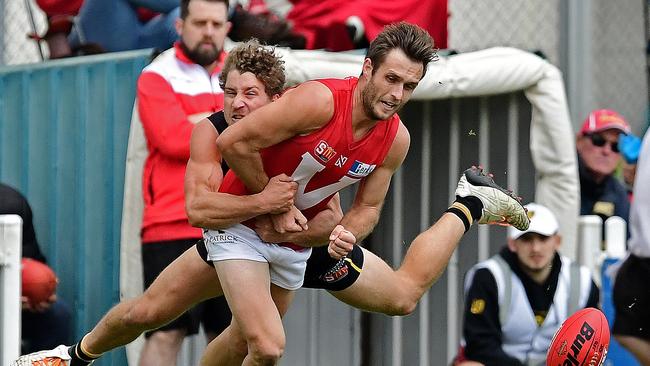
(369, 99)
(203, 58)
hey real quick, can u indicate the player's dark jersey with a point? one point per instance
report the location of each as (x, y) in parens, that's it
(219, 122)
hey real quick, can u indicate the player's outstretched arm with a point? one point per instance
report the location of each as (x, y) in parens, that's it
(208, 208)
(364, 213)
(299, 111)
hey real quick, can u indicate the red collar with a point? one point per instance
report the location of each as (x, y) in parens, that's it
(183, 58)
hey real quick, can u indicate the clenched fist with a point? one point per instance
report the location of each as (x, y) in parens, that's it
(341, 242)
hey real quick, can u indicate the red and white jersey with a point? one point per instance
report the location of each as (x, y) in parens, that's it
(327, 160)
(171, 89)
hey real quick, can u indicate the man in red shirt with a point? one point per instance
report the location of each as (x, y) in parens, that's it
(175, 91)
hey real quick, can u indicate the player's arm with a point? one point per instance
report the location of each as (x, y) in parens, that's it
(481, 325)
(364, 213)
(166, 125)
(208, 208)
(317, 234)
(299, 111)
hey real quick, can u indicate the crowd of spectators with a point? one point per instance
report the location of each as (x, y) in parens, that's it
(93, 26)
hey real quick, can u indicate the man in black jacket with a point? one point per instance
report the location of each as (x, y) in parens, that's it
(52, 315)
(516, 300)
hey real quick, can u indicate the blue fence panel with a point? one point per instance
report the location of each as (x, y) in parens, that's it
(64, 129)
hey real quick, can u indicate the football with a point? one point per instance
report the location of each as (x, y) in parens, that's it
(38, 281)
(583, 339)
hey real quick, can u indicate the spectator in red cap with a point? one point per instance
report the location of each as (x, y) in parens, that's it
(601, 193)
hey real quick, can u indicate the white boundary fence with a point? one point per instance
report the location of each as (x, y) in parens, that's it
(10, 253)
(592, 251)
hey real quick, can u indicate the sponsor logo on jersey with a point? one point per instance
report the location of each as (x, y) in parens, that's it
(341, 161)
(324, 151)
(359, 169)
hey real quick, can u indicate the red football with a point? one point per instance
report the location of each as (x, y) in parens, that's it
(38, 281)
(583, 339)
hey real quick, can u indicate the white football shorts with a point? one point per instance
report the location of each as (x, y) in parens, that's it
(286, 266)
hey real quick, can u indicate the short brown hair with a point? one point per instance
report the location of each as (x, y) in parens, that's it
(261, 61)
(414, 41)
(185, 5)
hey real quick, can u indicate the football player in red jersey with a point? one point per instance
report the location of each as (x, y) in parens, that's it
(356, 119)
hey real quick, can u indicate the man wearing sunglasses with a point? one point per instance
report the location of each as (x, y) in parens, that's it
(601, 193)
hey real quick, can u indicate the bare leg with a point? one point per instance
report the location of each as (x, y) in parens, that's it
(381, 289)
(167, 298)
(254, 311)
(230, 347)
(640, 348)
(162, 348)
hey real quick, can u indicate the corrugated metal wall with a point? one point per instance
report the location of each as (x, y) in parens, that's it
(63, 135)
(446, 138)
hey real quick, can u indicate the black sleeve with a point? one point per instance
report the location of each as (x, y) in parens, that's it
(594, 296)
(218, 120)
(12, 202)
(481, 327)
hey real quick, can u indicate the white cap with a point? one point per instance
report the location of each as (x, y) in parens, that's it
(542, 221)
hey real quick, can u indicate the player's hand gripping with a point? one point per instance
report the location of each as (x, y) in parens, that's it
(289, 222)
(341, 242)
(265, 230)
(279, 193)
